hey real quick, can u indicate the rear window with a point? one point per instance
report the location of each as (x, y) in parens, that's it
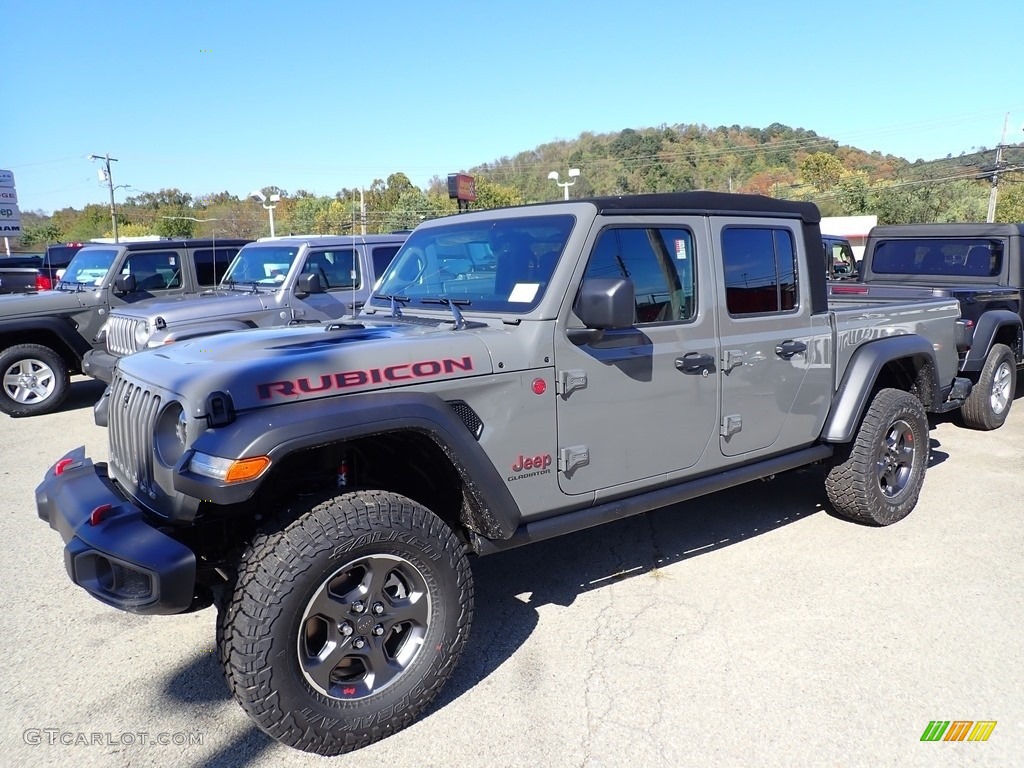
(933, 256)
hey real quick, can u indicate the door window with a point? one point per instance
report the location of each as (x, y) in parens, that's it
(760, 270)
(154, 270)
(659, 261)
(336, 268)
(212, 264)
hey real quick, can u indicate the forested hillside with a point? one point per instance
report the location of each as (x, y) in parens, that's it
(778, 161)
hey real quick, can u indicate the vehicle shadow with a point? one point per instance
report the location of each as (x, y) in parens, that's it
(84, 392)
(509, 586)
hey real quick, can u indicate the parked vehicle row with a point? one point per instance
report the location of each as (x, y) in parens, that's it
(44, 336)
(514, 375)
(291, 280)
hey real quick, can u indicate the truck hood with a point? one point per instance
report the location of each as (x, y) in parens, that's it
(277, 365)
(205, 306)
(42, 303)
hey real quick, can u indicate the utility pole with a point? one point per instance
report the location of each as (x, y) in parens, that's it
(107, 160)
(994, 194)
(362, 213)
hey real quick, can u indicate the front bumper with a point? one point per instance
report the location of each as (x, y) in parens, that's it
(122, 560)
(99, 364)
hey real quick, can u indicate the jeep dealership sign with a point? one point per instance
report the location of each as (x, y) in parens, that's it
(10, 216)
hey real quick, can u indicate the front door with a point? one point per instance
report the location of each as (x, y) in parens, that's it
(642, 402)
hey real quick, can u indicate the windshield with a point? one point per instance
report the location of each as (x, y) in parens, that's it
(261, 264)
(934, 256)
(500, 265)
(89, 266)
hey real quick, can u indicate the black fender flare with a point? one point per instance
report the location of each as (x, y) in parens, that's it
(281, 430)
(854, 392)
(58, 326)
(984, 332)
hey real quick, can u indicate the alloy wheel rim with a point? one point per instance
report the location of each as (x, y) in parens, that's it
(1000, 395)
(364, 627)
(895, 461)
(29, 381)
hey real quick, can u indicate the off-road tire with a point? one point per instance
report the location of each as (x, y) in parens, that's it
(877, 478)
(51, 376)
(989, 403)
(289, 574)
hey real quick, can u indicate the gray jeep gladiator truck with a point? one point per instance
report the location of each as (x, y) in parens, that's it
(289, 280)
(44, 336)
(518, 374)
(982, 267)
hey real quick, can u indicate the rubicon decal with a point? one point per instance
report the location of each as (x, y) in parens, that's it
(530, 466)
(424, 369)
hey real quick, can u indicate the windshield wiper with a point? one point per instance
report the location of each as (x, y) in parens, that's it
(453, 305)
(395, 299)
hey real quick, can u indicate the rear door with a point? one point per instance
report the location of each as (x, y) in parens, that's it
(772, 396)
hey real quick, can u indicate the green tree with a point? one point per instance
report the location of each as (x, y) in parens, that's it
(822, 170)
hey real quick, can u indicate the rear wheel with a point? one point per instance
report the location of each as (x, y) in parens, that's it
(345, 624)
(33, 380)
(877, 478)
(989, 402)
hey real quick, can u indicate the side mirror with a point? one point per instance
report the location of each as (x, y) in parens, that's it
(308, 282)
(125, 284)
(605, 304)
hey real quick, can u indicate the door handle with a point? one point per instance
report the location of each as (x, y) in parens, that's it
(695, 362)
(789, 348)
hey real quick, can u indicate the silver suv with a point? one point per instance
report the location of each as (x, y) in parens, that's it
(274, 281)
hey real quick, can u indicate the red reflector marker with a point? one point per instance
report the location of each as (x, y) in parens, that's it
(96, 516)
(62, 465)
(838, 289)
(539, 387)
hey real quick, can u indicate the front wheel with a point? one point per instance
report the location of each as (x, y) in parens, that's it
(344, 625)
(989, 403)
(878, 477)
(33, 380)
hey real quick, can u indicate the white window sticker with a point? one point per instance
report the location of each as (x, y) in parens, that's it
(523, 293)
(681, 249)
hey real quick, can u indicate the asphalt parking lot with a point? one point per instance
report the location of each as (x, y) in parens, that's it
(747, 628)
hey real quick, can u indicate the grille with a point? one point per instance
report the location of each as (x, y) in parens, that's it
(132, 416)
(121, 335)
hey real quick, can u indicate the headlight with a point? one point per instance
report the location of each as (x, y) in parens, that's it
(228, 470)
(141, 334)
(171, 434)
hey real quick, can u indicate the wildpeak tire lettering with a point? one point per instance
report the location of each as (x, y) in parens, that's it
(358, 378)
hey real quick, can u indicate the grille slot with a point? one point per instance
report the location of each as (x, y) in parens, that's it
(468, 416)
(132, 416)
(121, 335)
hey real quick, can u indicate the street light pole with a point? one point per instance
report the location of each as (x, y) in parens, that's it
(274, 199)
(107, 160)
(573, 173)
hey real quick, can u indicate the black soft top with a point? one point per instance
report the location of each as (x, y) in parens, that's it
(975, 229)
(706, 203)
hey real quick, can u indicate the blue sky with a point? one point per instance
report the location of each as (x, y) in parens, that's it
(316, 94)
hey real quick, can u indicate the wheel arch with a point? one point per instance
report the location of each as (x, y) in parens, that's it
(50, 332)
(999, 326)
(411, 443)
(898, 362)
